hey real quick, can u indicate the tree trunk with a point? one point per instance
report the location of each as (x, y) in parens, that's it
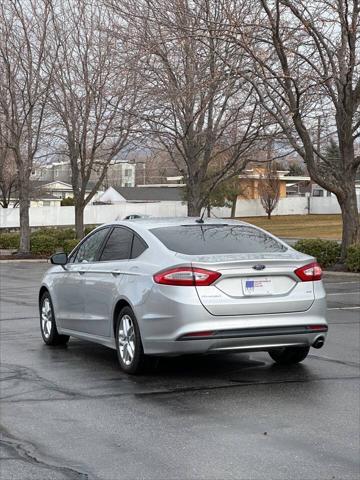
(269, 214)
(194, 200)
(233, 207)
(79, 220)
(193, 210)
(350, 218)
(24, 204)
(208, 210)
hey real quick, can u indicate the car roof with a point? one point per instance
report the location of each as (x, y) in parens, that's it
(155, 222)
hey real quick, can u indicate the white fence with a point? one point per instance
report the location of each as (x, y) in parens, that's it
(98, 214)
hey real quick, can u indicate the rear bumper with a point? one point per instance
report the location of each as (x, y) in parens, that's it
(241, 344)
(166, 330)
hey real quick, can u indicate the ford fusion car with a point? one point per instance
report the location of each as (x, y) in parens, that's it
(156, 287)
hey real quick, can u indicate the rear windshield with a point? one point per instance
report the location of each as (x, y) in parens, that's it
(216, 239)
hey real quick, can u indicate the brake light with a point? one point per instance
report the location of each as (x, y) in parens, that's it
(310, 272)
(186, 276)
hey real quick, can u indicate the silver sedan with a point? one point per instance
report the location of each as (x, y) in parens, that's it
(150, 287)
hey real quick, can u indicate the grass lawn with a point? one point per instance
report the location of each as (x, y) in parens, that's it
(300, 226)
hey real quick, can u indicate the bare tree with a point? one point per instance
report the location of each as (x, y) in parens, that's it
(269, 189)
(198, 110)
(307, 69)
(8, 170)
(24, 86)
(93, 97)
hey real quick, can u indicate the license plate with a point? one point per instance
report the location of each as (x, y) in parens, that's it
(257, 286)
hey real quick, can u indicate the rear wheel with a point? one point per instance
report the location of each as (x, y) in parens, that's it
(289, 355)
(48, 328)
(128, 342)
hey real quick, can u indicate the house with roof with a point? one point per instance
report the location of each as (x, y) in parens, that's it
(143, 194)
(59, 189)
(37, 199)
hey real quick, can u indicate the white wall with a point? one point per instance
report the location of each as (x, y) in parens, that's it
(98, 214)
(323, 205)
(94, 214)
(286, 206)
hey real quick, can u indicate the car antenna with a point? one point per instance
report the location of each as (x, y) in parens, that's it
(201, 219)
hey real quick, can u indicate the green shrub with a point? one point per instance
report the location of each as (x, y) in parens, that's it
(45, 231)
(67, 202)
(327, 252)
(70, 244)
(353, 258)
(65, 234)
(43, 244)
(89, 229)
(9, 241)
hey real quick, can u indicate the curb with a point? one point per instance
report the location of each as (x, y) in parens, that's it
(25, 260)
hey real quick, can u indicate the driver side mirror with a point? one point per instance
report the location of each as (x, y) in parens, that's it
(59, 259)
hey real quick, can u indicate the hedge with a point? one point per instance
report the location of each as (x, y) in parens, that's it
(43, 244)
(353, 258)
(69, 245)
(89, 229)
(9, 241)
(327, 252)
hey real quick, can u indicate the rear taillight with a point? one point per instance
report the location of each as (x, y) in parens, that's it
(186, 276)
(309, 273)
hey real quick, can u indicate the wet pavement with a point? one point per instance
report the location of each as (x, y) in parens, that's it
(70, 413)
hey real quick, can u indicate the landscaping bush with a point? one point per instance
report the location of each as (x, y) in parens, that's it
(43, 244)
(65, 234)
(89, 229)
(327, 252)
(9, 241)
(353, 258)
(70, 244)
(45, 231)
(67, 202)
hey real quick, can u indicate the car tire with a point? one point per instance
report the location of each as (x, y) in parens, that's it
(48, 327)
(289, 355)
(128, 343)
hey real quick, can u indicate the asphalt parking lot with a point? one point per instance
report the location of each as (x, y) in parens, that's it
(70, 413)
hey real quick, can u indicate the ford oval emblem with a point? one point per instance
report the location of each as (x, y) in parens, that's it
(259, 267)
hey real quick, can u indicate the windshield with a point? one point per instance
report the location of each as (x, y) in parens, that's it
(216, 239)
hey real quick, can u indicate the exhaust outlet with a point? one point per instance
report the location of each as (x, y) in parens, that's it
(319, 342)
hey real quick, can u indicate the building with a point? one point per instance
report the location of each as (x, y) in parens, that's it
(143, 194)
(59, 189)
(119, 173)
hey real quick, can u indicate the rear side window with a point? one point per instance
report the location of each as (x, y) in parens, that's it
(118, 245)
(138, 247)
(216, 239)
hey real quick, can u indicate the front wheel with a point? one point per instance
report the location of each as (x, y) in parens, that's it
(128, 343)
(289, 355)
(48, 328)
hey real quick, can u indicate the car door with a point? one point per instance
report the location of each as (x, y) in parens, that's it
(71, 296)
(103, 280)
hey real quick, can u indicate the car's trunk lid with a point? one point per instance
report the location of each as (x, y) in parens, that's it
(253, 284)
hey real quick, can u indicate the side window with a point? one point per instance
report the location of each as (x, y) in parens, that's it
(118, 245)
(89, 248)
(138, 247)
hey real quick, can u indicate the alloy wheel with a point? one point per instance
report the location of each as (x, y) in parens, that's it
(46, 318)
(126, 339)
